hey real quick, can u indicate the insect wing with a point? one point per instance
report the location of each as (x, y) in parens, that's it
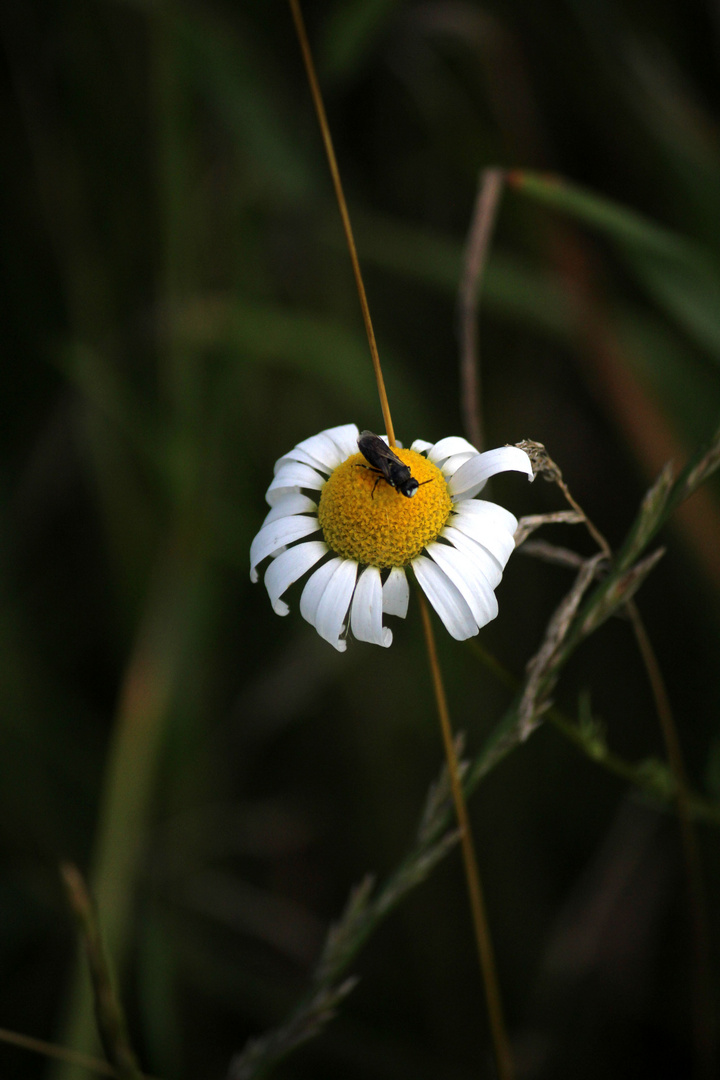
(378, 453)
(382, 458)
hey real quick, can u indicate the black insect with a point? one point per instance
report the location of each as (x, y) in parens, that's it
(389, 466)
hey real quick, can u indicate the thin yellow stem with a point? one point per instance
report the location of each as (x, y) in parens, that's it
(342, 205)
(503, 1058)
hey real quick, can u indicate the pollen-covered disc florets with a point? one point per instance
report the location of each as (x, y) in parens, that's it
(363, 518)
(365, 533)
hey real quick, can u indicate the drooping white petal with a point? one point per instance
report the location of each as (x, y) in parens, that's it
(334, 603)
(367, 609)
(292, 476)
(396, 593)
(288, 567)
(345, 437)
(486, 563)
(451, 465)
(448, 602)
(471, 477)
(314, 588)
(292, 503)
(298, 454)
(488, 524)
(420, 446)
(468, 579)
(327, 447)
(325, 600)
(447, 447)
(275, 536)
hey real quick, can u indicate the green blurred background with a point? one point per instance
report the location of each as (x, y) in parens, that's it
(178, 311)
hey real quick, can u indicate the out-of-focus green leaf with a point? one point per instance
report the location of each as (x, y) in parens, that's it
(224, 61)
(627, 227)
(690, 294)
(511, 286)
(687, 389)
(269, 333)
(349, 32)
(681, 276)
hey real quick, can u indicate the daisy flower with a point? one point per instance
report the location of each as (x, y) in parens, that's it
(332, 512)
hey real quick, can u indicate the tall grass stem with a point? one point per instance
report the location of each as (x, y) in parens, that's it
(342, 205)
(486, 955)
(477, 248)
(703, 1012)
(149, 684)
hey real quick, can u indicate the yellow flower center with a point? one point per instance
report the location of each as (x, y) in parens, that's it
(363, 518)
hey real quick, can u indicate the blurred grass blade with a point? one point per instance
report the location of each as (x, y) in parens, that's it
(680, 274)
(629, 228)
(349, 34)
(665, 496)
(150, 684)
(365, 910)
(314, 346)
(700, 467)
(419, 253)
(109, 1014)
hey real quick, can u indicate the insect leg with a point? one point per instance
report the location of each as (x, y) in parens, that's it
(359, 465)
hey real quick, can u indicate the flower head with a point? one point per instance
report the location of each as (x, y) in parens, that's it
(369, 534)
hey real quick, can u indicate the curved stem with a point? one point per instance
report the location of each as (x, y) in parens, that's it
(486, 954)
(342, 205)
(476, 253)
(150, 681)
(703, 1011)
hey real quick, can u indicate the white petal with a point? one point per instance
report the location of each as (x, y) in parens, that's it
(288, 567)
(445, 598)
(468, 579)
(472, 476)
(333, 607)
(445, 448)
(325, 447)
(325, 613)
(488, 524)
(345, 438)
(290, 504)
(367, 609)
(272, 498)
(420, 446)
(292, 476)
(396, 593)
(451, 465)
(314, 588)
(298, 454)
(277, 535)
(485, 561)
